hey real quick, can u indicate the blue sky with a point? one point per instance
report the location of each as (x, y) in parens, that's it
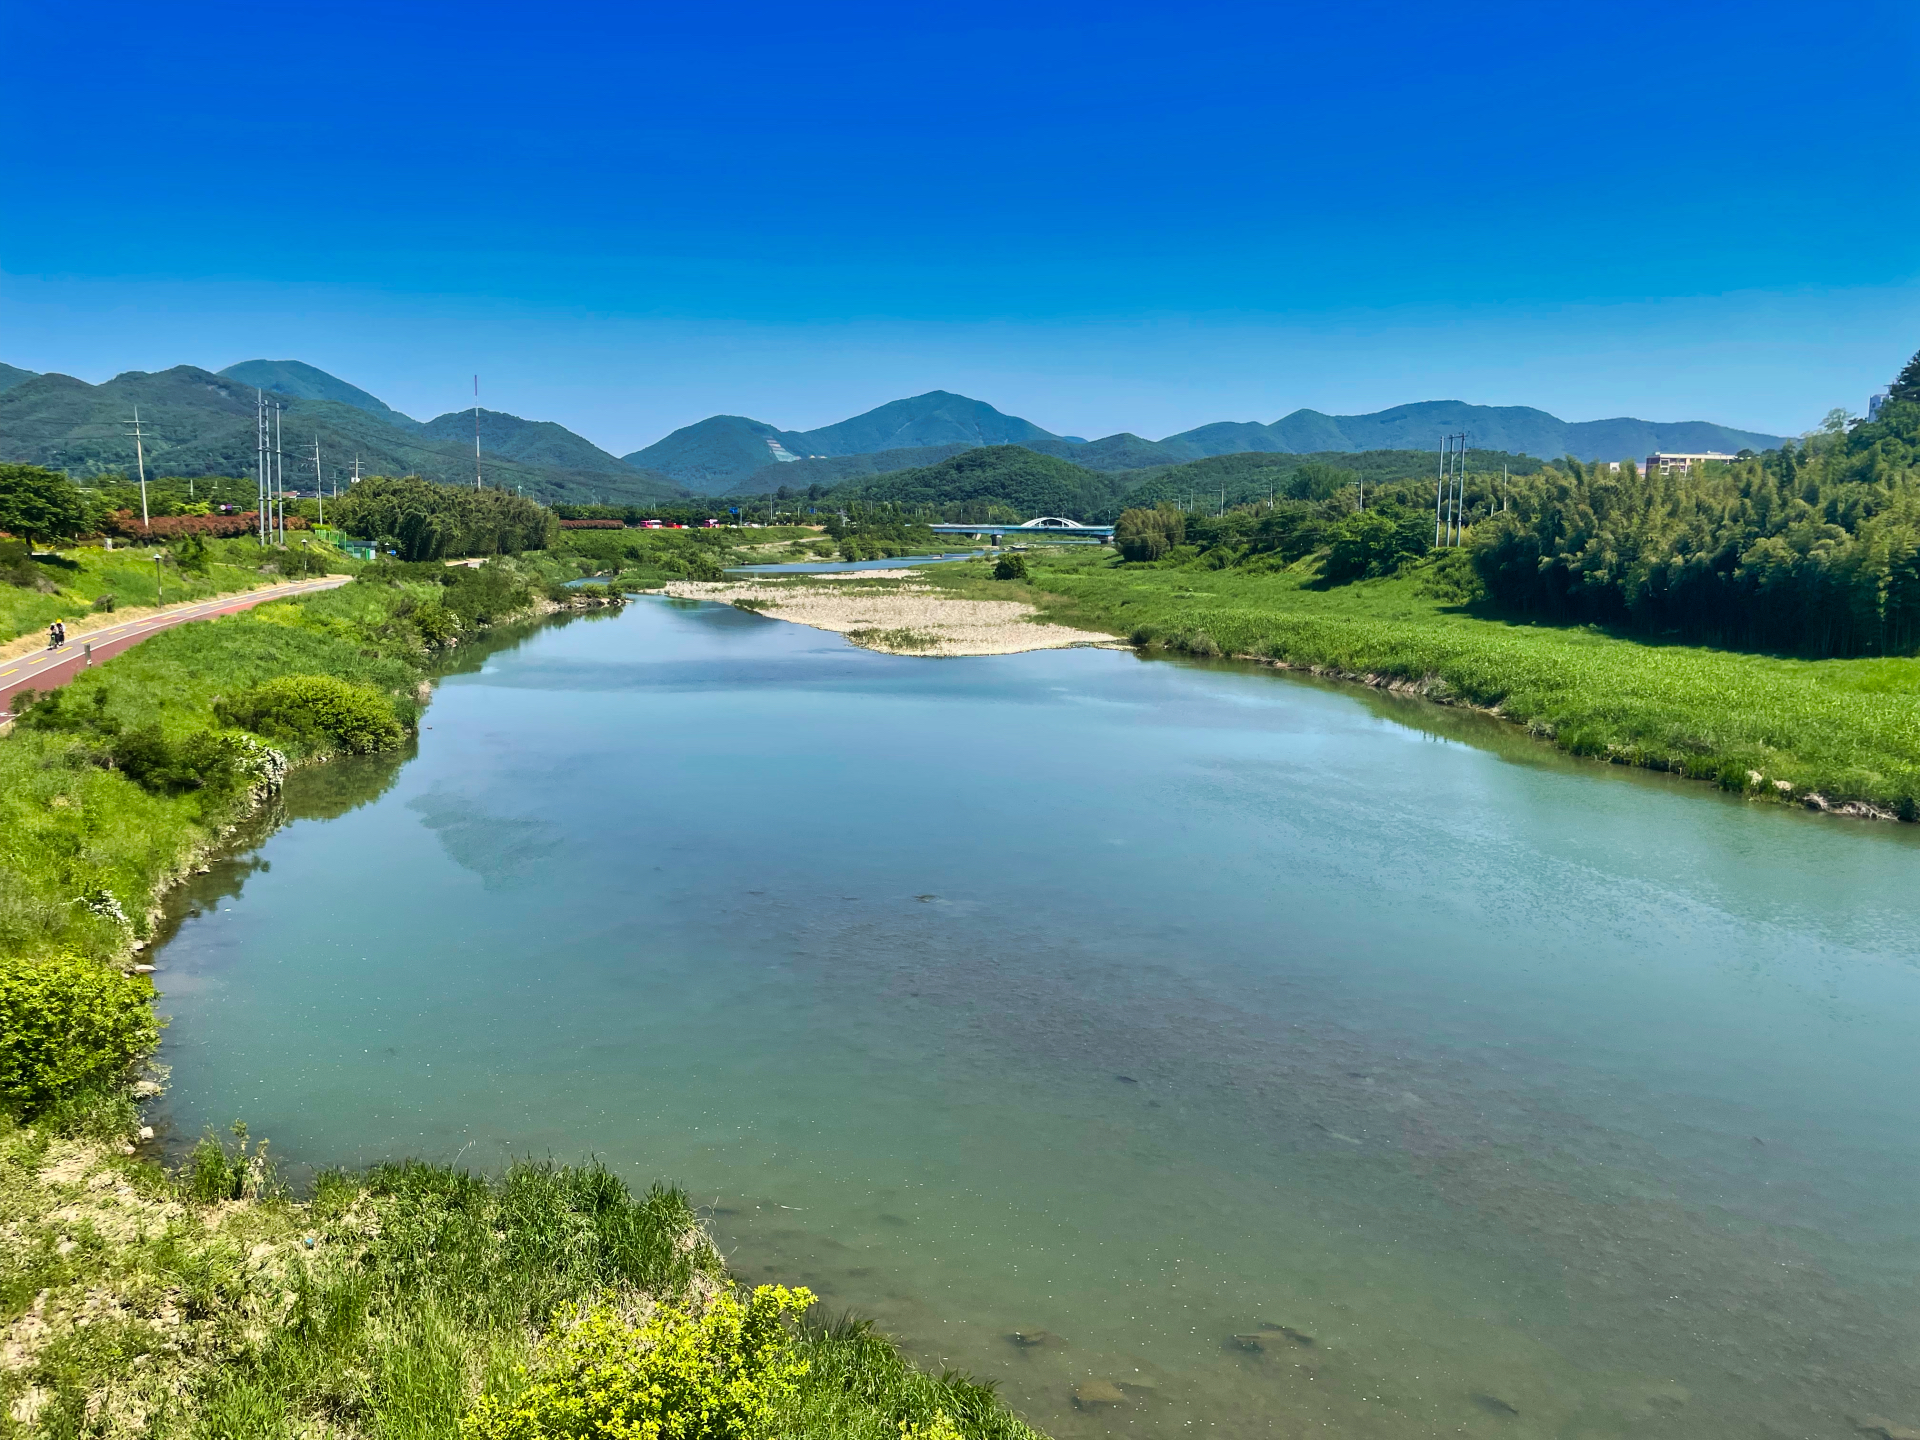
(1102, 218)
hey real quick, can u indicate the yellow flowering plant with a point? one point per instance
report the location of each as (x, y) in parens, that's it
(716, 1373)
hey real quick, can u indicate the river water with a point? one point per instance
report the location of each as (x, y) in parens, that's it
(1296, 1061)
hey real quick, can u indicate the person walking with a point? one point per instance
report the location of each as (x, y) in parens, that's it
(56, 635)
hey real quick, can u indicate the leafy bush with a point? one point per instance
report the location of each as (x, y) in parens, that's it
(1369, 544)
(68, 1025)
(220, 761)
(1149, 534)
(317, 712)
(17, 567)
(190, 553)
(719, 1373)
(1010, 567)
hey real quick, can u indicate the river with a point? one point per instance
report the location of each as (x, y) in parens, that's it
(1294, 1059)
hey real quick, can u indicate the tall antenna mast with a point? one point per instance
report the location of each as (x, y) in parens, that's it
(140, 455)
(476, 432)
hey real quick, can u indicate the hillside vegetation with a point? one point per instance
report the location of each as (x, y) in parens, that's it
(998, 482)
(199, 423)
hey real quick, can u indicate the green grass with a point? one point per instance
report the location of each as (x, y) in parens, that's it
(1845, 729)
(70, 826)
(75, 582)
(380, 1308)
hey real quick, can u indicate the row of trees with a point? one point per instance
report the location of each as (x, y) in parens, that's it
(422, 520)
(1813, 548)
(1318, 509)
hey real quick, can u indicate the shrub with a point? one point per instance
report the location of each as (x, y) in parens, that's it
(213, 1173)
(219, 761)
(1010, 567)
(1149, 534)
(1368, 544)
(719, 1374)
(68, 1025)
(318, 712)
(438, 626)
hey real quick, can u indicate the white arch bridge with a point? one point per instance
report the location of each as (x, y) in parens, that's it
(1044, 525)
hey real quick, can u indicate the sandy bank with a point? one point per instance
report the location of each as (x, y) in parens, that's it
(897, 619)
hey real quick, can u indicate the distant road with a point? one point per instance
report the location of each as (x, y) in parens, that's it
(49, 668)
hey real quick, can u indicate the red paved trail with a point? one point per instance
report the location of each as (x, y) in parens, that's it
(46, 669)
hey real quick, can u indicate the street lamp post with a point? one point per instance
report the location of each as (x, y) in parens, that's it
(158, 585)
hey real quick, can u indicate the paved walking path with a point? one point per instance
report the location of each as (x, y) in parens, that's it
(48, 668)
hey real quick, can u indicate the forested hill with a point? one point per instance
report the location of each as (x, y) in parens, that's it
(305, 382)
(1012, 483)
(195, 422)
(998, 482)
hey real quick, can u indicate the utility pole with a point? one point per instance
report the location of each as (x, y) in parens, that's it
(318, 493)
(140, 455)
(1449, 491)
(260, 463)
(279, 475)
(476, 432)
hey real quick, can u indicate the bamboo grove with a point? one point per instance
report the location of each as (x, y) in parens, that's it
(1810, 549)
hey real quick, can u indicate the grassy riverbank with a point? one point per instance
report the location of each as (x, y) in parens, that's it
(1844, 730)
(88, 584)
(393, 1304)
(411, 1301)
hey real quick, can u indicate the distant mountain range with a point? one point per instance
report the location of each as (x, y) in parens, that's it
(200, 422)
(197, 422)
(733, 454)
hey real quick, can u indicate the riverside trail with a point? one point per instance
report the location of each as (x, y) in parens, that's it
(45, 669)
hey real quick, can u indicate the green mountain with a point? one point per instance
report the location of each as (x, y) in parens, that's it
(199, 423)
(710, 456)
(11, 375)
(718, 455)
(1518, 429)
(303, 381)
(936, 418)
(531, 442)
(830, 470)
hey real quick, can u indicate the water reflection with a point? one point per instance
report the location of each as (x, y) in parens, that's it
(1179, 1045)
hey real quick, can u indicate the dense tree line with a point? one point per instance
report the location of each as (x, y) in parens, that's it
(1364, 530)
(1813, 548)
(422, 520)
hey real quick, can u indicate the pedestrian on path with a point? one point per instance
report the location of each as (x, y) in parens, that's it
(56, 634)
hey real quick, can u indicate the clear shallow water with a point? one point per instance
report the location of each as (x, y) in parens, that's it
(1142, 1004)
